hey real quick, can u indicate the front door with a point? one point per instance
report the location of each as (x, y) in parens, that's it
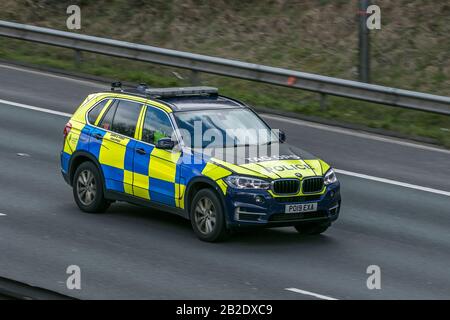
(155, 170)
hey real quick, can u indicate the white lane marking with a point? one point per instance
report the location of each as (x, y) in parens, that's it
(349, 173)
(309, 293)
(26, 106)
(85, 82)
(2, 214)
(20, 154)
(356, 133)
(393, 182)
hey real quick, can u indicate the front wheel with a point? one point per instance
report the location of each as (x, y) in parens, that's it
(88, 189)
(312, 228)
(207, 216)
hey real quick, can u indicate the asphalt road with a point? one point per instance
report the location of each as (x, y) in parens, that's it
(136, 253)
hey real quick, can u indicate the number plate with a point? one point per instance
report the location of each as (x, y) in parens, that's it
(297, 208)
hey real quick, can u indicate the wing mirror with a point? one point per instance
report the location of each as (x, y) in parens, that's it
(282, 136)
(165, 143)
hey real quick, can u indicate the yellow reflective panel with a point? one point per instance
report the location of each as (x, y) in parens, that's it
(286, 168)
(179, 195)
(325, 166)
(112, 151)
(223, 186)
(256, 167)
(141, 186)
(80, 113)
(163, 164)
(315, 165)
(71, 142)
(214, 171)
(171, 156)
(128, 181)
(160, 105)
(239, 169)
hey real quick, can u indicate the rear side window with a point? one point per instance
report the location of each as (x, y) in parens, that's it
(122, 117)
(107, 120)
(95, 112)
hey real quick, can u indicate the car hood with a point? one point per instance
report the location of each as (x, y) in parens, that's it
(272, 162)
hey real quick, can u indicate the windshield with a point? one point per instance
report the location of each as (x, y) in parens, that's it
(223, 128)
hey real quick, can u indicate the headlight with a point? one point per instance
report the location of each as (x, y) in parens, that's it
(247, 183)
(330, 177)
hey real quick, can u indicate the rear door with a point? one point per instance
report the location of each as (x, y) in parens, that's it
(155, 170)
(113, 143)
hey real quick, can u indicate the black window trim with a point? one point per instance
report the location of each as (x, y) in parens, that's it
(96, 104)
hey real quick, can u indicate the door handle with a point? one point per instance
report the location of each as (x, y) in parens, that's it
(140, 151)
(98, 136)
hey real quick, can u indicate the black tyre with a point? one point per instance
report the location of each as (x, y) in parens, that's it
(88, 189)
(312, 228)
(207, 216)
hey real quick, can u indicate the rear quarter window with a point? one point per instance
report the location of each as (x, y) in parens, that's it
(95, 112)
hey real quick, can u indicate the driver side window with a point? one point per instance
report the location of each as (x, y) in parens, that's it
(156, 125)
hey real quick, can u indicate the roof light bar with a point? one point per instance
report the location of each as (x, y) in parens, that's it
(178, 92)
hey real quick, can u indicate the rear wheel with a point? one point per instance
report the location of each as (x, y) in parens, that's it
(207, 216)
(312, 228)
(88, 189)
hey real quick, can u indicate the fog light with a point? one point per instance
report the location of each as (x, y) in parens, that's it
(259, 199)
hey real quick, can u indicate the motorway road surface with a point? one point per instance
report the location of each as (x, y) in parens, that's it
(136, 253)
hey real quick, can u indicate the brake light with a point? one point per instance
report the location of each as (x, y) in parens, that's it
(67, 129)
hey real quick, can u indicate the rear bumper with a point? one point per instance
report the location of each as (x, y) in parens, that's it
(65, 159)
(66, 177)
(252, 208)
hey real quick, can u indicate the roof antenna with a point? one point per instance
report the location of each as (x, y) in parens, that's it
(116, 85)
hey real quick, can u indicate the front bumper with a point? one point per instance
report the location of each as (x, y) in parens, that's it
(259, 208)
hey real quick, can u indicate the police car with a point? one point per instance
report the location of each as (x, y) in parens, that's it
(182, 150)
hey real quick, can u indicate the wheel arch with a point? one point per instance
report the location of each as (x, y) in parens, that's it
(78, 158)
(197, 184)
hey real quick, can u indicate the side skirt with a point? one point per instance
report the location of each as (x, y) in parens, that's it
(119, 196)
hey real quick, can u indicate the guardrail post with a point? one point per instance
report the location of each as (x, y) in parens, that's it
(195, 78)
(78, 58)
(323, 102)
